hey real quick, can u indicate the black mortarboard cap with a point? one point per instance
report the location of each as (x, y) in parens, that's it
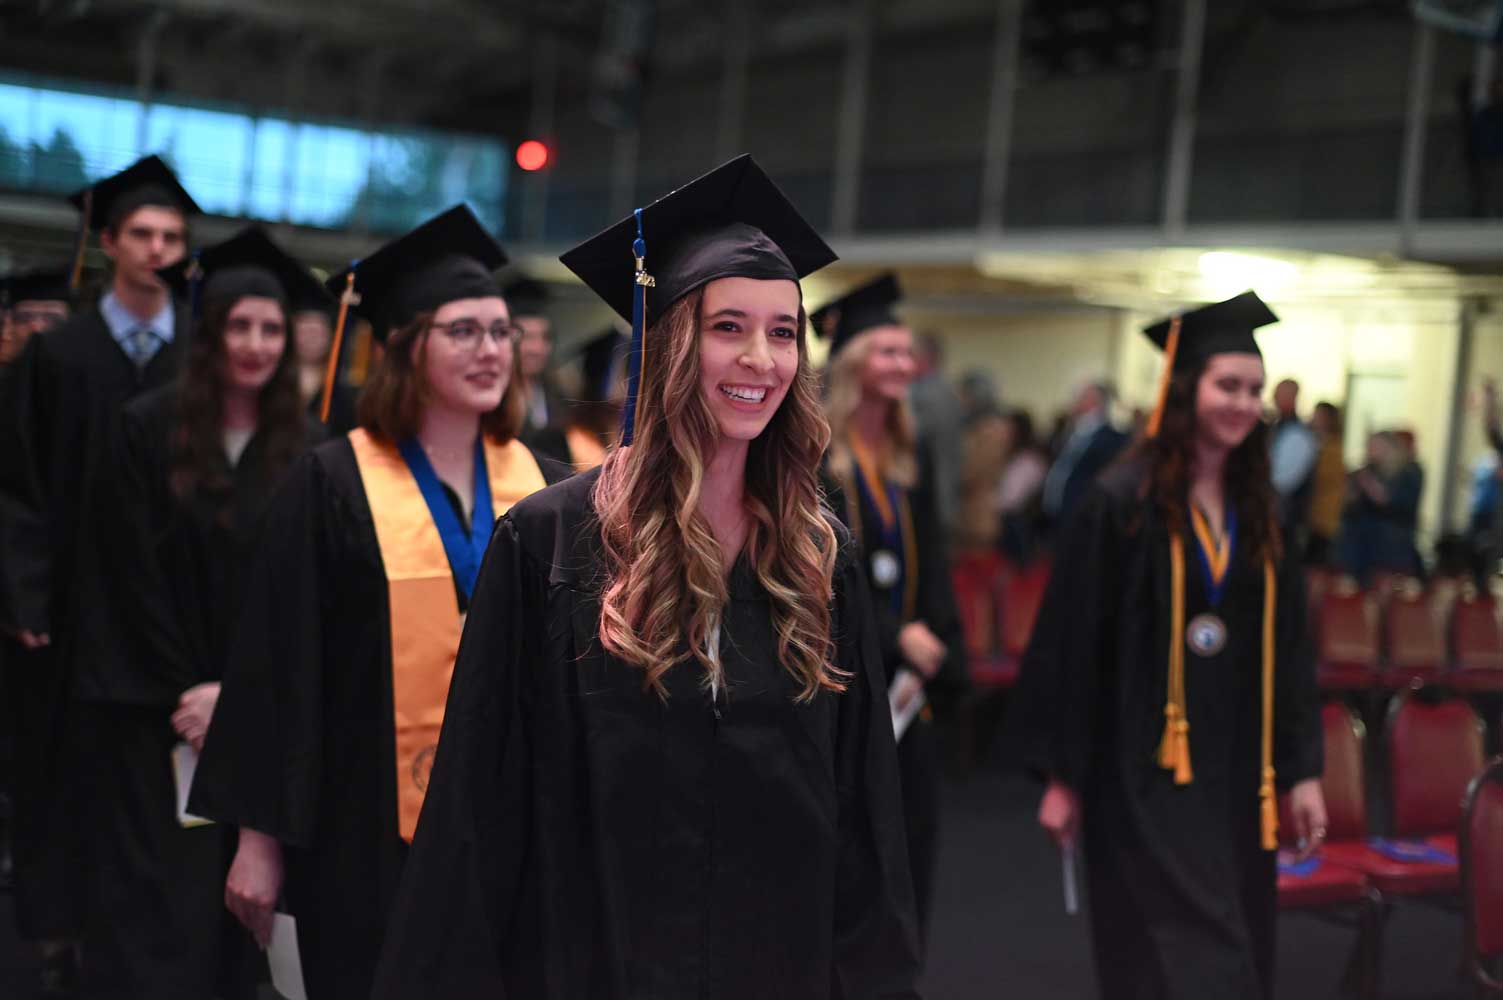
(148, 181)
(449, 257)
(731, 222)
(599, 361)
(248, 263)
(1187, 339)
(40, 285)
(526, 297)
(1221, 328)
(857, 311)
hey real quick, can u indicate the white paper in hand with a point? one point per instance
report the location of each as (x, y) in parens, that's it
(285, 961)
(184, 763)
(903, 717)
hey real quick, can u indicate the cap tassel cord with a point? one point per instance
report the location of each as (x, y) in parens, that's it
(1171, 348)
(1174, 747)
(75, 277)
(346, 299)
(644, 281)
(1267, 794)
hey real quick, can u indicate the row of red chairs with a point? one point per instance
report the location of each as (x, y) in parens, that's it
(1446, 830)
(1393, 635)
(1372, 640)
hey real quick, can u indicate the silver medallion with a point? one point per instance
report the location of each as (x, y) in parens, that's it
(885, 569)
(1206, 635)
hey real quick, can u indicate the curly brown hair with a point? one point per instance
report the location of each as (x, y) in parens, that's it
(663, 581)
(391, 404)
(197, 465)
(1249, 485)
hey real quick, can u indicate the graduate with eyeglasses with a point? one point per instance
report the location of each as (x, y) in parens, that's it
(334, 690)
(1168, 696)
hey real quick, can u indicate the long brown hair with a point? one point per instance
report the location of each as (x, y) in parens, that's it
(663, 579)
(391, 404)
(197, 466)
(1249, 484)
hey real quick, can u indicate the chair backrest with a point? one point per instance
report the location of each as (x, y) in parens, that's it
(1482, 863)
(1476, 633)
(1348, 628)
(1416, 640)
(1343, 782)
(975, 583)
(1388, 583)
(1435, 750)
(1020, 595)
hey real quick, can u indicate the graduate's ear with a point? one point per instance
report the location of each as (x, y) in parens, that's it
(107, 242)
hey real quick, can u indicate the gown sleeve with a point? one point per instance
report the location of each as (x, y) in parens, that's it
(1298, 744)
(876, 938)
(262, 759)
(460, 883)
(25, 530)
(143, 510)
(1053, 718)
(936, 605)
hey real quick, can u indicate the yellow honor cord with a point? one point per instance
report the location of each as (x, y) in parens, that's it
(1174, 748)
(866, 464)
(1267, 794)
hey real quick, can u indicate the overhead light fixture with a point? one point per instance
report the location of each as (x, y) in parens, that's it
(1227, 272)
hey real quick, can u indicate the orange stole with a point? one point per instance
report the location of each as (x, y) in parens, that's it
(425, 620)
(585, 449)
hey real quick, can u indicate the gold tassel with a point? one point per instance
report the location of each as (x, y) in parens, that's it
(347, 299)
(75, 276)
(1267, 791)
(1174, 748)
(1171, 348)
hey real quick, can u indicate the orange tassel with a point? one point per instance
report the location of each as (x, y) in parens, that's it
(1183, 775)
(1267, 790)
(1171, 348)
(332, 369)
(1167, 749)
(1270, 811)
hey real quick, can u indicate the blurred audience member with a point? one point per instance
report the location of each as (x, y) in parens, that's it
(937, 409)
(983, 459)
(1089, 446)
(1327, 485)
(1382, 509)
(979, 395)
(1020, 487)
(1293, 451)
(312, 340)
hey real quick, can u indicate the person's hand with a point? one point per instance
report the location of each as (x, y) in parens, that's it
(195, 710)
(1307, 806)
(905, 687)
(1059, 812)
(31, 640)
(921, 648)
(254, 883)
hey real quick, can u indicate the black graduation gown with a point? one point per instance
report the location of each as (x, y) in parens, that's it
(302, 745)
(159, 927)
(1182, 895)
(613, 845)
(60, 405)
(919, 751)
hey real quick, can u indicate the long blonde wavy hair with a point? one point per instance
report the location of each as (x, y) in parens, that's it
(663, 576)
(899, 456)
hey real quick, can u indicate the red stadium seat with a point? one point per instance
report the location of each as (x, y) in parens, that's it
(1435, 750)
(1416, 640)
(1476, 644)
(975, 576)
(1322, 885)
(1018, 598)
(1347, 640)
(1482, 877)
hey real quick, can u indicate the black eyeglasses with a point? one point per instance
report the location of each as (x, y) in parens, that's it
(466, 333)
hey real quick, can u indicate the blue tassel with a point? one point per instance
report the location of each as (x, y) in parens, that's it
(643, 281)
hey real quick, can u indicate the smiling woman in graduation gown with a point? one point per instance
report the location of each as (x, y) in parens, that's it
(1168, 693)
(197, 464)
(657, 794)
(881, 483)
(334, 694)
